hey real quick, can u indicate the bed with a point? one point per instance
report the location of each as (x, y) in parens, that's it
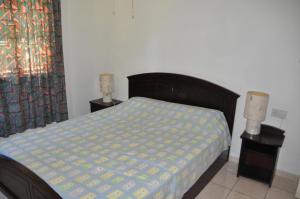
(161, 122)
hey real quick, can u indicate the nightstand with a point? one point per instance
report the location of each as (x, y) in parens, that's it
(98, 104)
(259, 154)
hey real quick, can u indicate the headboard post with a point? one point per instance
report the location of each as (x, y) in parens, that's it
(185, 90)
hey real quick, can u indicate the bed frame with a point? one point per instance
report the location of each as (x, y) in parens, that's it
(16, 181)
(191, 91)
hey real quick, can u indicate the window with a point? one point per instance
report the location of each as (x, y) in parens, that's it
(26, 34)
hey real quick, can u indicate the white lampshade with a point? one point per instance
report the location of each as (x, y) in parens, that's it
(255, 110)
(106, 86)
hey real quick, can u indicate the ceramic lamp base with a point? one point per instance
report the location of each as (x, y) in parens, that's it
(107, 98)
(253, 127)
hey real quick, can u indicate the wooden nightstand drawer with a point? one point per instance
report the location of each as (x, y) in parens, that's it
(257, 159)
(98, 104)
(259, 147)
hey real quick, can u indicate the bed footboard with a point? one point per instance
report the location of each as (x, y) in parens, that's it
(16, 181)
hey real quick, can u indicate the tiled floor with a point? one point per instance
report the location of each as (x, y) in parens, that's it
(225, 185)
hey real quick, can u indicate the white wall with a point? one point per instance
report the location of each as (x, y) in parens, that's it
(240, 44)
(85, 41)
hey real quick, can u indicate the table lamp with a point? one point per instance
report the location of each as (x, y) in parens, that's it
(106, 86)
(255, 111)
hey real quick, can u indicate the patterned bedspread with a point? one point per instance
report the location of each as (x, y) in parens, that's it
(142, 148)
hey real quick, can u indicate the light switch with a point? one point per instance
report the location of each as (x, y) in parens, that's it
(280, 114)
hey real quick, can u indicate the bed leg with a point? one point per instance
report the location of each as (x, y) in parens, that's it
(228, 154)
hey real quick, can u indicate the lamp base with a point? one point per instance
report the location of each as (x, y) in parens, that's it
(253, 127)
(107, 98)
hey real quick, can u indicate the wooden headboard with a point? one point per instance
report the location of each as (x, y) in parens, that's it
(184, 90)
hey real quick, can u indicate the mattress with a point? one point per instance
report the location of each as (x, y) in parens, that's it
(142, 148)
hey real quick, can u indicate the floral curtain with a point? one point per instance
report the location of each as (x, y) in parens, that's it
(32, 80)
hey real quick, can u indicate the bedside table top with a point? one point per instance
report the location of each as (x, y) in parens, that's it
(100, 102)
(269, 135)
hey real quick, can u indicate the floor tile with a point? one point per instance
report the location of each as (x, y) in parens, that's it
(213, 191)
(231, 167)
(275, 193)
(235, 195)
(288, 175)
(285, 184)
(251, 188)
(225, 179)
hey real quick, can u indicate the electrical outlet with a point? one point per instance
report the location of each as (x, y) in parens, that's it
(280, 114)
